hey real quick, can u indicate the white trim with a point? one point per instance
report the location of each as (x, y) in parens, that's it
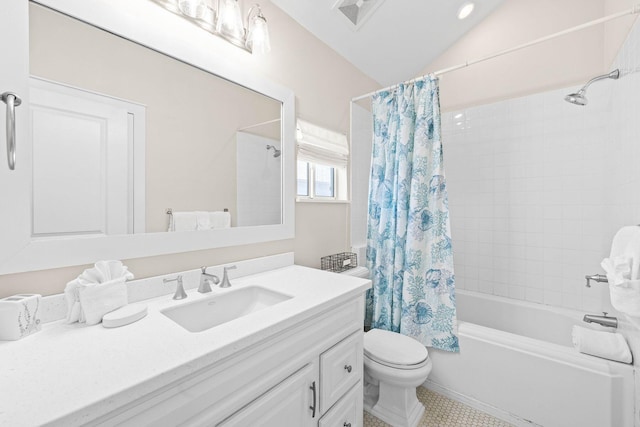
(164, 32)
(304, 199)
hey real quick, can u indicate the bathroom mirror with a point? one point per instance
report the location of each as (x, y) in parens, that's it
(197, 142)
(196, 122)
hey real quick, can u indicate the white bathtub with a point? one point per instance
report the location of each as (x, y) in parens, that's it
(517, 362)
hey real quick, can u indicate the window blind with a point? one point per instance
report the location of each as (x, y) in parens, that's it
(320, 145)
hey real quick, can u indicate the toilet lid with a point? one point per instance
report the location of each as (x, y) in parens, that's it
(391, 348)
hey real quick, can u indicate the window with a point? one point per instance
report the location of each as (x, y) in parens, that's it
(316, 180)
(322, 163)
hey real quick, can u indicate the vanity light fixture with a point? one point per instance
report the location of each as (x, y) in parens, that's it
(225, 20)
(257, 31)
(465, 10)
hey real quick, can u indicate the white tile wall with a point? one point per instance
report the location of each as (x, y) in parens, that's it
(538, 187)
(258, 181)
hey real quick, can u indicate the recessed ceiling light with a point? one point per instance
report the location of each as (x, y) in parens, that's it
(465, 10)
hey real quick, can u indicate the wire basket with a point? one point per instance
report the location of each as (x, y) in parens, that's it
(339, 262)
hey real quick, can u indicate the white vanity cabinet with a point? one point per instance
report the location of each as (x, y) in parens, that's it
(287, 404)
(309, 374)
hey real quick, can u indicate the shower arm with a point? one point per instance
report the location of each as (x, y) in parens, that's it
(612, 75)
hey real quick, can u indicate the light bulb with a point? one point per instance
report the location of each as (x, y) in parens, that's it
(258, 35)
(465, 10)
(230, 20)
(192, 8)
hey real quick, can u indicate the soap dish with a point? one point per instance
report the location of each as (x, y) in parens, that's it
(124, 315)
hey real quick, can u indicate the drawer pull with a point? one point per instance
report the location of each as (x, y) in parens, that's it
(348, 368)
(313, 408)
(346, 424)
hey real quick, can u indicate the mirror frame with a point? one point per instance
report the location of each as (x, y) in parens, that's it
(166, 33)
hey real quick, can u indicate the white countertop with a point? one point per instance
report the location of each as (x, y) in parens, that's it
(69, 374)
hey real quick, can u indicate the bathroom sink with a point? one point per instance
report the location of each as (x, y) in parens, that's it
(217, 309)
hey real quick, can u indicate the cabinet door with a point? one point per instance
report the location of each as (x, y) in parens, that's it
(14, 72)
(293, 402)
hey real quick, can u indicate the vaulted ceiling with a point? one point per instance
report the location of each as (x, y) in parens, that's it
(388, 40)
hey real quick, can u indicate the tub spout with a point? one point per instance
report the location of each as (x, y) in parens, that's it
(609, 321)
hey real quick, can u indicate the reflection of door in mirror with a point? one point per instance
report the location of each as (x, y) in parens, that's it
(83, 180)
(192, 123)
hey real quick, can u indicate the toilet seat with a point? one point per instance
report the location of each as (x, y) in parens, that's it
(394, 350)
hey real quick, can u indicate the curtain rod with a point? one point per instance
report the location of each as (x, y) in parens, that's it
(633, 11)
(258, 124)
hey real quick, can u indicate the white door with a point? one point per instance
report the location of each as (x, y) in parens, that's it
(83, 179)
(293, 402)
(14, 71)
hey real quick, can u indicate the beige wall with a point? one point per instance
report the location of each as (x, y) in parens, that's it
(568, 60)
(191, 115)
(324, 83)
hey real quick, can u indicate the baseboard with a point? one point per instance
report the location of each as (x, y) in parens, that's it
(480, 406)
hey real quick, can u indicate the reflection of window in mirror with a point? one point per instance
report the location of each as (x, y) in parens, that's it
(323, 155)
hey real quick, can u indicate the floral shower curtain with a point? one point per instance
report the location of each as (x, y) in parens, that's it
(409, 249)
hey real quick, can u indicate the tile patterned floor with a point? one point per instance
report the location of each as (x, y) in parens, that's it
(444, 412)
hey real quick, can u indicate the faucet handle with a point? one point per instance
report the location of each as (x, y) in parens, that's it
(600, 278)
(180, 293)
(225, 279)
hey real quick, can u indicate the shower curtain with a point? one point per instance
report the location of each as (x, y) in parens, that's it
(409, 249)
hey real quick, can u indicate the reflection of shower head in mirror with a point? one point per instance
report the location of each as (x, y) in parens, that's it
(276, 152)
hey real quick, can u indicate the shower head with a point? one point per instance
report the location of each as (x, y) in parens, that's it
(579, 97)
(276, 152)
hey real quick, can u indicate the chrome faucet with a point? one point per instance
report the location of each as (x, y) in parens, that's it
(225, 278)
(608, 321)
(205, 281)
(180, 293)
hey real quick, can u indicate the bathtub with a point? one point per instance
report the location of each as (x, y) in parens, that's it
(517, 362)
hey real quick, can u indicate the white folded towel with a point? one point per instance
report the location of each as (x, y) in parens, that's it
(97, 300)
(626, 244)
(618, 269)
(199, 220)
(608, 345)
(202, 221)
(220, 219)
(105, 281)
(626, 297)
(623, 270)
(184, 221)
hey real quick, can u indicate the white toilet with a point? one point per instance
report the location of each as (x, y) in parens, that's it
(394, 365)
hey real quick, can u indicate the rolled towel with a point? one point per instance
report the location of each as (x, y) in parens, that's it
(109, 276)
(608, 345)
